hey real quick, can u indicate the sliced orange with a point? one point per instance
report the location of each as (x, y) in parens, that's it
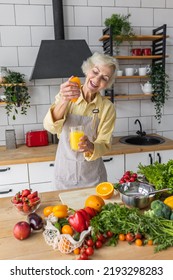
(75, 79)
(95, 202)
(105, 190)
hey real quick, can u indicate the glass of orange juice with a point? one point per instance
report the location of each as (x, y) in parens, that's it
(76, 132)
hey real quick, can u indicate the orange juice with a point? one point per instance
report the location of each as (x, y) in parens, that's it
(75, 134)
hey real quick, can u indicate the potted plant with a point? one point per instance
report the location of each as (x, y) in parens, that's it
(16, 93)
(121, 27)
(160, 87)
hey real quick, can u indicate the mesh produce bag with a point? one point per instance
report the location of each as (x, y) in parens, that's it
(62, 242)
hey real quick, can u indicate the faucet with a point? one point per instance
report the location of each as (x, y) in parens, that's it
(140, 132)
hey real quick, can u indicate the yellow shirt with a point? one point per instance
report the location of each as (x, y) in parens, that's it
(106, 116)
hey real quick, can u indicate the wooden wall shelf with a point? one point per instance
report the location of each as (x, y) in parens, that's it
(131, 96)
(135, 38)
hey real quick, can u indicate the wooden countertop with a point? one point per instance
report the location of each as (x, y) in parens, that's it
(35, 247)
(24, 154)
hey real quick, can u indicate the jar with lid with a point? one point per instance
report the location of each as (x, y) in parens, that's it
(3, 72)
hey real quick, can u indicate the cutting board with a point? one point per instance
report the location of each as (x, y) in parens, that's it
(76, 199)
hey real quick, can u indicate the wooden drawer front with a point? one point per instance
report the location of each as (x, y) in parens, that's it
(41, 172)
(13, 174)
(11, 190)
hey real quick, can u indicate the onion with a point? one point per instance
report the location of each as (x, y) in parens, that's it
(35, 221)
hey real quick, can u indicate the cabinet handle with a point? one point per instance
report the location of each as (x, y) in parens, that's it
(4, 192)
(107, 160)
(159, 157)
(151, 159)
(5, 169)
(51, 164)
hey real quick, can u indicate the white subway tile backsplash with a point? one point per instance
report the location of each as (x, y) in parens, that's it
(90, 16)
(30, 15)
(101, 3)
(169, 4)
(3, 116)
(41, 33)
(163, 16)
(15, 36)
(141, 16)
(24, 119)
(127, 3)
(75, 2)
(128, 108)
(69, 18)
(76, 32)
(41, 112)
(39, 95)
(8, 56)
(27, 55)
(121, 125)
(108, 11)
(153, 3)
(7, 15)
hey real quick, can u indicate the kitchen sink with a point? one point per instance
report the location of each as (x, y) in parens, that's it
(141, 140)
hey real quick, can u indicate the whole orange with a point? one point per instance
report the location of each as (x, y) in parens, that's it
(67, 229)
(47, 211)
(94, 201)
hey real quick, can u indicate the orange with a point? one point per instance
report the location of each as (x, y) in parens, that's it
(138, 242)
(76, 251)
(60, 207)
(67, 229)
(105, 190)
(95, 202)
(47, 211)
(75, 79)
(60, 214)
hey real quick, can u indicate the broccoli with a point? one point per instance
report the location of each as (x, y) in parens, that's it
(159, 209)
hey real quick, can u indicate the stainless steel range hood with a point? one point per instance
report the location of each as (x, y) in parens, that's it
(60, 58)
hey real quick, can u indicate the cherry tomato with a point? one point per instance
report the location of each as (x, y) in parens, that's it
(109, 234)
(150, 242)
(100, 237)
(132, 179)
(130, 237)
(83, 256)
(90, 242)
(122, 237)
(138, 242)
(98, 244)
(138, 235)
(89, 251)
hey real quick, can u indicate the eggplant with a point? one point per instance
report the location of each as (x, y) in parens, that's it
(35, 221)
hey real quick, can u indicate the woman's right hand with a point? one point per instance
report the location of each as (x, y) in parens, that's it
(69, 90)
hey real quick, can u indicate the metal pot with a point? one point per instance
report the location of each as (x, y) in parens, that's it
(136, 194)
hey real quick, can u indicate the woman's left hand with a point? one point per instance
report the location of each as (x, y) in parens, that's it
(85, 145)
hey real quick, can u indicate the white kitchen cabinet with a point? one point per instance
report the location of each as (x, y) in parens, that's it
(13, 178)
(114, 167)
(132, 160)
(41, 176)
(12, 189)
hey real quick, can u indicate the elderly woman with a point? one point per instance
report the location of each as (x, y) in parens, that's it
(83, 168)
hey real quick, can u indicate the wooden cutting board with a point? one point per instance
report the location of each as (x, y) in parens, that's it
(76, 199)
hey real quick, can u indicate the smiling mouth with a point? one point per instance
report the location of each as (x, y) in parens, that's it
(93, 85)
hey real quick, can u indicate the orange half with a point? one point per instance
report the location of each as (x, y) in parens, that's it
(76, 80)
(105, 190)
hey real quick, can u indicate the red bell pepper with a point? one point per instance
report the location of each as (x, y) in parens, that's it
(91, 211)
(86, 217)
(77, 221)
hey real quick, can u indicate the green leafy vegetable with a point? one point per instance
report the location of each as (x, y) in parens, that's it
(158, 174)
(120, 219)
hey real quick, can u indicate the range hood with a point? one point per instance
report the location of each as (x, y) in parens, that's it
(60, 58)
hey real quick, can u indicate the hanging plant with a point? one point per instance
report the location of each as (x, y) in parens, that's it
(160, 86)
(16, 94)
(120, 27)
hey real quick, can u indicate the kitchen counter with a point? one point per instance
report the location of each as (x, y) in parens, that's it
(35, 247)
(24, 154)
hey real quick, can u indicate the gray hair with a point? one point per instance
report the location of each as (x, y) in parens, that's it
(101, 59)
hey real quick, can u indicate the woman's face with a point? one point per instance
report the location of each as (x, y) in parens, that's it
(98, 77)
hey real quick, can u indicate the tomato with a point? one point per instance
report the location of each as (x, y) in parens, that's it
(89, 251)
(150, 242)
(98, 244)
(90, 242)
(76, 251)
(138, 242)
(122, 237)
(138, 235)
(67, 229)
(101, 237)
(83, 256)
(130, 237)
(132, 179)
(109, 233)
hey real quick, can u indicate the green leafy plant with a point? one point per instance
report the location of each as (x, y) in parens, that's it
(16, 93)
(120, 27)
(160, 86)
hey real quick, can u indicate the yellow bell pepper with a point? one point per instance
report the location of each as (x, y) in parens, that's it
(169, 201)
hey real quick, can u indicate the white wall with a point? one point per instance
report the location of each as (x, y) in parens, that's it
(24, 23)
